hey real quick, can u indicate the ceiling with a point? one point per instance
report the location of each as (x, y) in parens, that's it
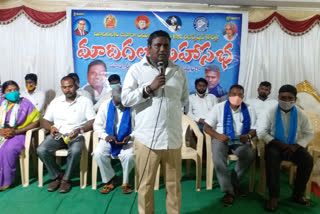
(246, 3)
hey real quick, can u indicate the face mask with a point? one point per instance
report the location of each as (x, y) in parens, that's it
(286, 105)
(115, 85)
(30, 87)
(13, 96)
(235, 100)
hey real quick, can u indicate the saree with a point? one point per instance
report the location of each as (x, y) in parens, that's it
(11, 148)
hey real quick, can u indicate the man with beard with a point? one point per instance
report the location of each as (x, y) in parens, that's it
(200, 103)
(262, 102)
(67, 118)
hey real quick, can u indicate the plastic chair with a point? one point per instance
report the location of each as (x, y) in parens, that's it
(314, 147)
(262, 175)
(189, 152)
(24, 157)
(64, 153)
(94, 172)
(210, 164)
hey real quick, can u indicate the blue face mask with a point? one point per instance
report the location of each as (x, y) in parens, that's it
(115, 85)
(13, 96)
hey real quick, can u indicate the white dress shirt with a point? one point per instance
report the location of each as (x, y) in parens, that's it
(260, 106)
(166, 131)
(37, 98)
(199, 107)
(69, 116)
(99, 125)
(215, 119)
(266, 127)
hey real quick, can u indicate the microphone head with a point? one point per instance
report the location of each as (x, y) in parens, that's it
(160, 64)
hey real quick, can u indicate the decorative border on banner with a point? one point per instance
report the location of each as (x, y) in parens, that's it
(41, 19)
(293, 28)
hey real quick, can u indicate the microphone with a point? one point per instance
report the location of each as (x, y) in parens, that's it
(161, 68)
(160, 65)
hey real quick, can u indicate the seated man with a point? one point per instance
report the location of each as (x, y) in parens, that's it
(67, 118)
(231, 126)
(33, 94)
(113, 127)
(201, 102)
(262, 102)
(286, 130)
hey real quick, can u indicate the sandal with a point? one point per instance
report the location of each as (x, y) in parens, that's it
(271, 205)
(227, 200)
(301, 200)
(107, 188)
(126, 188)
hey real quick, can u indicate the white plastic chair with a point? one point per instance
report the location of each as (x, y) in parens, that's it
(210, 164)
(189, 152)
(64, 153)
(24, 157)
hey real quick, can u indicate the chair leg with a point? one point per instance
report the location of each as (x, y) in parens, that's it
(252, 176)
(83, 169)
(293, 169)
(94, 173)
(24, 168)
(40, 173)
(209, 173)
(262, 176)
(199, 173)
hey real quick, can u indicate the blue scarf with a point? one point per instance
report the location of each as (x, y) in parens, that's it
(228, 128)
(124, 129)
(279, 130)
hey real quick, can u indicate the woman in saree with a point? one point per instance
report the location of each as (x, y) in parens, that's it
(17, 116)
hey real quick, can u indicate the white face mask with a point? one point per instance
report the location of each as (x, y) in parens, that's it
(286, 105)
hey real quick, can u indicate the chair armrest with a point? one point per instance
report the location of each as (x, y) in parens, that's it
(208, 144)
(193, 125)
(28, 138)
(42, 135)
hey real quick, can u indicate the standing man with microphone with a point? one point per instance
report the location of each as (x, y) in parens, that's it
(158, 112)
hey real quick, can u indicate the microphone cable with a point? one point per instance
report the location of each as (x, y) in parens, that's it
(152, 142)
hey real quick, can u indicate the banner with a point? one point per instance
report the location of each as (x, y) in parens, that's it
(206, 45)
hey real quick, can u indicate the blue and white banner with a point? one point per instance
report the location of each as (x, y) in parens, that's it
(199, 41)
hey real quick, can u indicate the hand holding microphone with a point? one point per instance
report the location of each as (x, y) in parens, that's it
(160, 79)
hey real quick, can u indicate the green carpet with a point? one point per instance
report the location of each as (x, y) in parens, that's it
(35, 200)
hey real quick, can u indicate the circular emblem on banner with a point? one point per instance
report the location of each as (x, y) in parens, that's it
(142, 22)
(201, 24)
(110, 21)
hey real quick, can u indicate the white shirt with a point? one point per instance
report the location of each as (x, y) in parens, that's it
(94, 93)
(99, 125)
(215, 119)
(199, 108)
(261, 106)
(267, 125)
(69, 116)
(167, 128)
(37, 98)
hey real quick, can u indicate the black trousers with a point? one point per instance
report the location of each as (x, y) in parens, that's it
(300, 157)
